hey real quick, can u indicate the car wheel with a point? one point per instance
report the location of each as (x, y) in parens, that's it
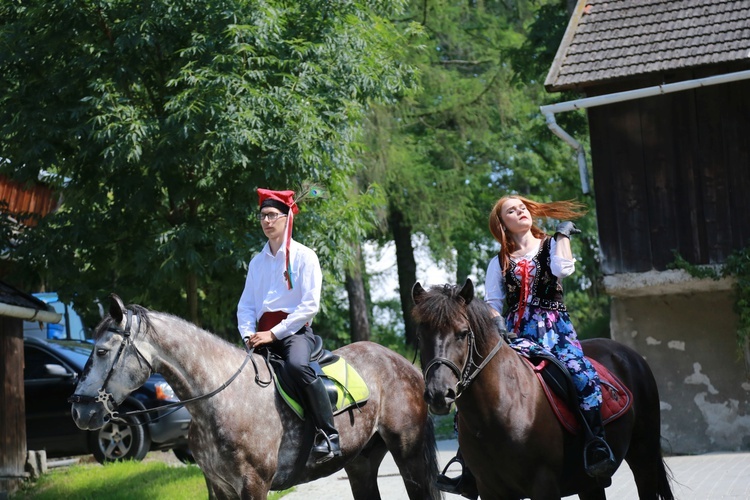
(184, 455)
(117, 441)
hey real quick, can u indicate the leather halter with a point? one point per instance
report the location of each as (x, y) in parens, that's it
(470, 370)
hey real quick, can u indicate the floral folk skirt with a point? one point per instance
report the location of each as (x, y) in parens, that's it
(545, 331)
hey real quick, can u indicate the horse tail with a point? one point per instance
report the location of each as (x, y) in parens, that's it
(430, 456)
(663, 485)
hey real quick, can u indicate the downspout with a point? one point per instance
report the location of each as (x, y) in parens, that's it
(29, 314)
(590, 102)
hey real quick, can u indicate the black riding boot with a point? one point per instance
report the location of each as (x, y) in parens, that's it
(465, 484)
(598, 460)
(318, 405)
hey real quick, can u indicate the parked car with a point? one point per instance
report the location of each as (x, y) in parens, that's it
(51, 371)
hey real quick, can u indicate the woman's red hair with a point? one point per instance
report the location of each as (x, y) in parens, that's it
(560, 210)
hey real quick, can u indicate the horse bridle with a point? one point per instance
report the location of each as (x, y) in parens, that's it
(470, 370)
(105, 398)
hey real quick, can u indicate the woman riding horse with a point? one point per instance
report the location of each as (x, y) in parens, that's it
(526, 278)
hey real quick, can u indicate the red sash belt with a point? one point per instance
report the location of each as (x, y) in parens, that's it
(525, 268)
(271, 319)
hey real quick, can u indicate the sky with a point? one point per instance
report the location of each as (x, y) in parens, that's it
(381, 265)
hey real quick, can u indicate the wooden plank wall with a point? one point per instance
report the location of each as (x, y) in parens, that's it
(672, 173)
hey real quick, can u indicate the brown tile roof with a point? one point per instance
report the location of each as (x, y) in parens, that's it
(612, 40)
(21, 200)
(11, 295)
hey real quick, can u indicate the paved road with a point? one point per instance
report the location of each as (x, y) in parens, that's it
(711, 476)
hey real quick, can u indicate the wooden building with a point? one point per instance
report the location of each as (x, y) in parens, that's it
(25, 203)
(667, 95)
(15, 306)
(20, 205)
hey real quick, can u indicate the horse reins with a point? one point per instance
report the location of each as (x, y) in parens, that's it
(105, 398)
(470, 370)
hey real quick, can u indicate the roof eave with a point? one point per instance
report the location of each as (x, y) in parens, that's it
(549, 82)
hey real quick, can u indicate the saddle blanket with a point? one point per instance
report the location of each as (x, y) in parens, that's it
(616, 398)
(350, 387)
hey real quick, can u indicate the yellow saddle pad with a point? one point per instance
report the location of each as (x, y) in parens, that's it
(350, 387)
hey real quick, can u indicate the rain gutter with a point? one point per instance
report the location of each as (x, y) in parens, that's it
(590, 102)
(29, 314)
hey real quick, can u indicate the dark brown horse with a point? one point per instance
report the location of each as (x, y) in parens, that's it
(508, 434)
(245, 439)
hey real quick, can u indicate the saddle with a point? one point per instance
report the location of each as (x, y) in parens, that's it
(345, 386)
(561, 394)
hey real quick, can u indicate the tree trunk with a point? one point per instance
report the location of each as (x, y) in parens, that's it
(463, 265)
(407, 271)
(192, 298)
(359, 324)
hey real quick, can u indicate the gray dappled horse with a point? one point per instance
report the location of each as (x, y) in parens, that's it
(508, 433)
(245, 439)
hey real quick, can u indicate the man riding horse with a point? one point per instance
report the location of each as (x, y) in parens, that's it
(277, 306)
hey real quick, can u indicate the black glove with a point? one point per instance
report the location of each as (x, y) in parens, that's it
(566, 228)
(500, 324)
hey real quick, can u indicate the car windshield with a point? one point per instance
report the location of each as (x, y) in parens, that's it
(77, 351)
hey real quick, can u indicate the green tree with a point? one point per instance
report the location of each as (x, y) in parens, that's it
(159, 120)
(473, 134)
(559, 179)
(445, 155)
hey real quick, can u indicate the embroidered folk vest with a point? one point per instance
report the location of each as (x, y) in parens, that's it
(546, 290)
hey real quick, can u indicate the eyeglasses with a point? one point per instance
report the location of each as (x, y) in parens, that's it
(270, 217)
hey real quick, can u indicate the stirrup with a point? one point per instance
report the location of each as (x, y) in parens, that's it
(605, 467)
(324, 455)
(453, 485)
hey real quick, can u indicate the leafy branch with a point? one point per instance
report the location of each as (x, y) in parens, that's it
(737, 266)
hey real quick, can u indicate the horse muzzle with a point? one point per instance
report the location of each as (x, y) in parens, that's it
(440, 402)
(88, 416)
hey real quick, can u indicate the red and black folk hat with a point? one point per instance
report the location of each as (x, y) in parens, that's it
(283, 201)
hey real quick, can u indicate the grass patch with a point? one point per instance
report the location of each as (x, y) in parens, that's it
(121, 481)
(152, 479)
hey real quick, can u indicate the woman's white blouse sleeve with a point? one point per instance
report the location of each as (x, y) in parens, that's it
(561, 267)
(494, 286)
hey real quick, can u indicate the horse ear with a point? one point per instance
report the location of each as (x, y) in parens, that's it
(116, 308)
(467, 291)
(416, 292)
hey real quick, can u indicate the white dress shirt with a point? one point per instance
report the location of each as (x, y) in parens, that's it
(495, 280)
(266, 290)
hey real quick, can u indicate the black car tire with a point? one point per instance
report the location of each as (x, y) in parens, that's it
(184, 455)
(117, 441)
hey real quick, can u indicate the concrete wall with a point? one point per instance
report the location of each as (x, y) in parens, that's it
(685, 329)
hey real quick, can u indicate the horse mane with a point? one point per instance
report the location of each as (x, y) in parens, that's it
(148, 328)
(442, 304)
(139, 312)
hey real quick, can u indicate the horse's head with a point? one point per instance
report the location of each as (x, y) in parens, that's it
(115, 368)
(446, 337)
